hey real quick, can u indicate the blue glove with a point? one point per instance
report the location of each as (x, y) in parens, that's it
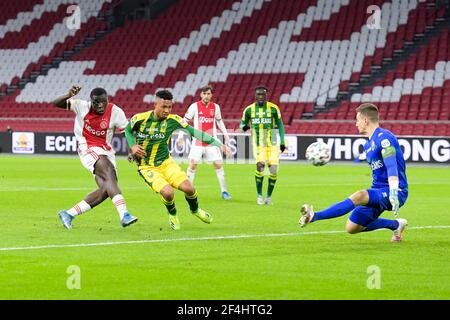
(393, 199)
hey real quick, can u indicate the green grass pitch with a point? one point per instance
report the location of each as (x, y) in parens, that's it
(248, 252)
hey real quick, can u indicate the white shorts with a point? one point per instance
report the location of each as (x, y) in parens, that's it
(211, 154)
(90, 156)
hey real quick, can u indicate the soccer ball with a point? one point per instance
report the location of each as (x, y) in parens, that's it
(318, 153)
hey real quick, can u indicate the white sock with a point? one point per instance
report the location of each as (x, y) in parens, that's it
(191, 174)
(120, 204)
(79, 208)
(221, 177)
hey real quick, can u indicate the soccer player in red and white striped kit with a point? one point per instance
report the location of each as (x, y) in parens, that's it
(94, 127)
(205, 115)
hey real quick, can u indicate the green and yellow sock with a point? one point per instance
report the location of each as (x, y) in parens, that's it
(259, 178)
(170, 205)
(272, 181)
(192, 200)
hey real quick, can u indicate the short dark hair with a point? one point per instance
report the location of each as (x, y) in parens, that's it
(164, 94)
(98, 92)
(206, 88)
(261, 88)
(370, 111)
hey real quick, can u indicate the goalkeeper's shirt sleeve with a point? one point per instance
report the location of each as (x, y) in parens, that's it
(203, 136)
(390, 160)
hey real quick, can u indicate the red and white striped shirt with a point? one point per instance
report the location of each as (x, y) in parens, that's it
(204, 118)
(96, 130)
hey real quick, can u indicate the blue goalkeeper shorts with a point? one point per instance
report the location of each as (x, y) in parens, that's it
(378, 202)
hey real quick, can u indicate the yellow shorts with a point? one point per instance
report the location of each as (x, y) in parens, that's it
(169, 172)
(266, 154)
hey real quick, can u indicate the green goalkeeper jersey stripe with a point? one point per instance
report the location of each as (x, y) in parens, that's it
(154, 135)
(262, 121)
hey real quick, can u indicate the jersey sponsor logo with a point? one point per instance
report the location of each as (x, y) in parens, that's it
(203, 119)
(261, 114)
(154, 136)
(157, 136)
(152, 130)
(385, 143)
(94, 132)
(261, 120)
(376, 164)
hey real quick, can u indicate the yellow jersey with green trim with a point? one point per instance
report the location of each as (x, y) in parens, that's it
(154, 135)
(262, 121)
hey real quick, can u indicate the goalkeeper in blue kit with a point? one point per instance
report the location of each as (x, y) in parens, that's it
(389, 189)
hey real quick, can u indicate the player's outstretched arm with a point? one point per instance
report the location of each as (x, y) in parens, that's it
(61, 101)
(222, 128)
(206, 138)
(203, 136)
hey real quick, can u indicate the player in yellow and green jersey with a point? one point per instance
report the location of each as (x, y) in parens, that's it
(262, 116)
(148, 135)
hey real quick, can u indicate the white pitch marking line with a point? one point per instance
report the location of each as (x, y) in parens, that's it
(205, 186)
(242, 236)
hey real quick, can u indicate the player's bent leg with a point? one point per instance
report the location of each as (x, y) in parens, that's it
(379, 201)
(106, 171)
(190, 194)
(360, 198)
(307, 215)
(187, 187)
(96, 197)
(90, 201)
(167, 196)
(192, 200)
(353, 228)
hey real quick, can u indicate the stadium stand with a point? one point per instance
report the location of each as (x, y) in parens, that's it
(319, 59)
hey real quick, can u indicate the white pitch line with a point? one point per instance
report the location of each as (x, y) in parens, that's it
(241, 236)
(203, 186)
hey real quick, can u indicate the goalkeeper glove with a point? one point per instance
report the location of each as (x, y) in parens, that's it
(245, 128)
(393, 199)
(282, 148)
